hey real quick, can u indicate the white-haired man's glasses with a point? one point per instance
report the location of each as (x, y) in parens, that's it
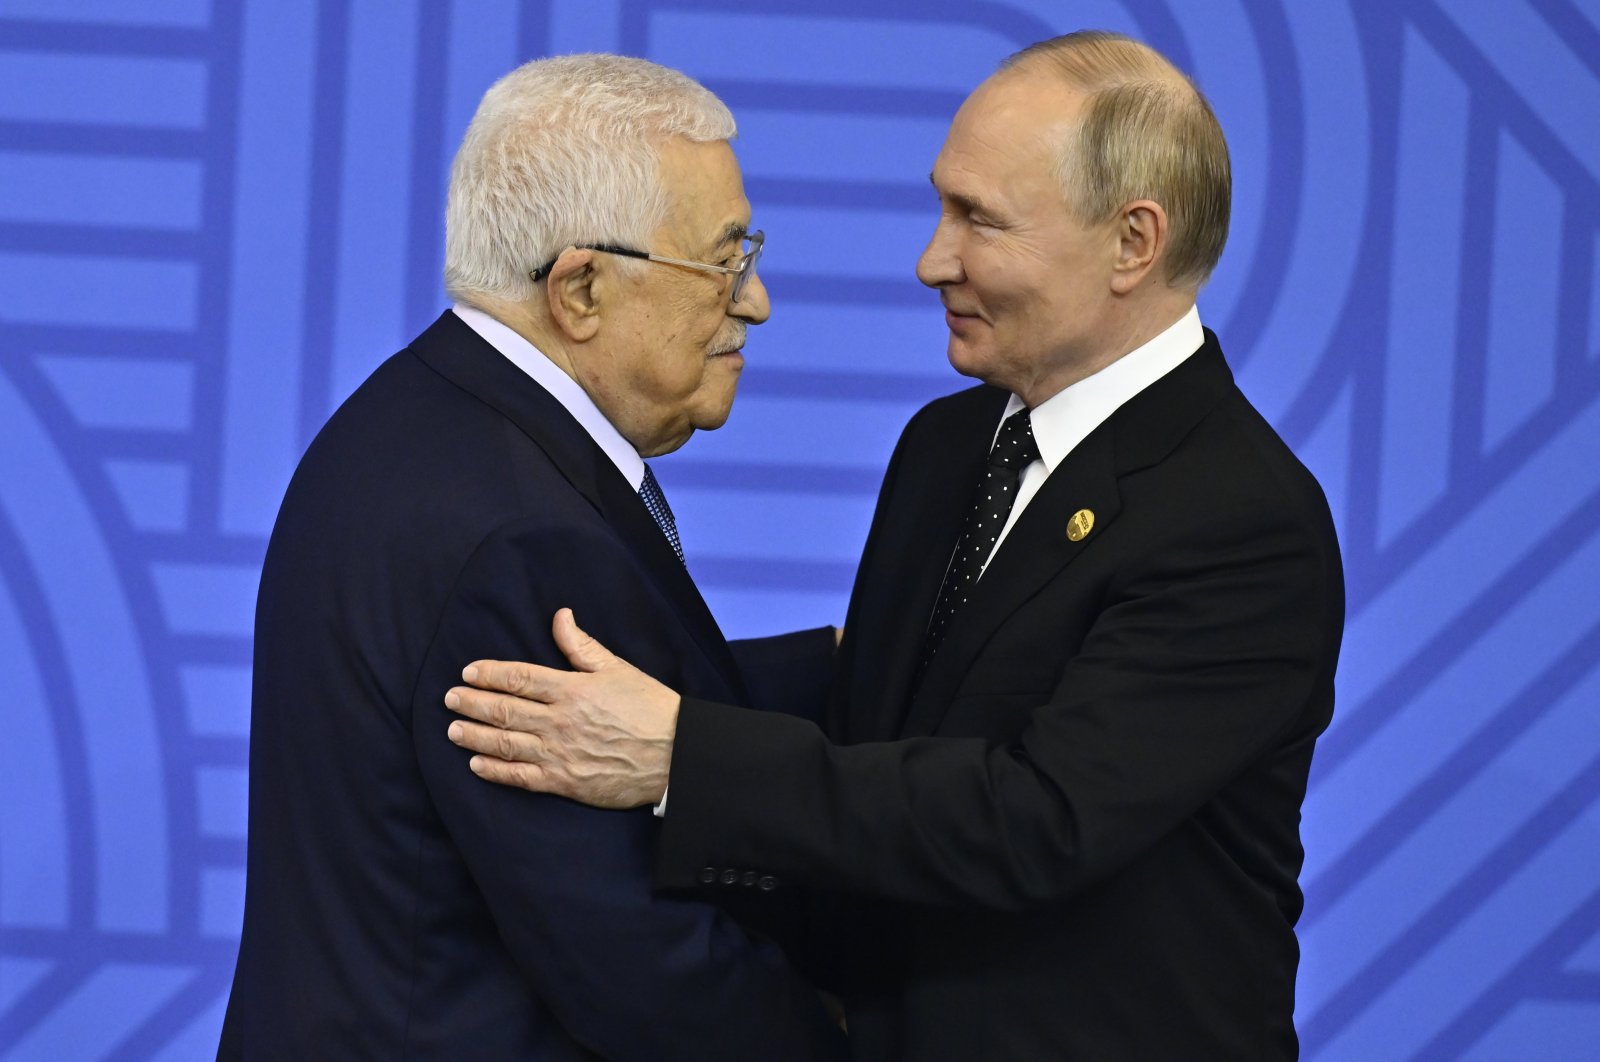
(742, 271)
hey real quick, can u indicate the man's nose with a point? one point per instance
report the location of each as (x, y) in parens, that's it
(940, 263)
(753, 305)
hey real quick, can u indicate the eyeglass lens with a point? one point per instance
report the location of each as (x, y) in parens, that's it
(742, 280)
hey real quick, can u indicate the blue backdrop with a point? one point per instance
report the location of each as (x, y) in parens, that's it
(216, 218)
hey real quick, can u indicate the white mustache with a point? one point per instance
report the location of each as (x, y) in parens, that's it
(734, 341)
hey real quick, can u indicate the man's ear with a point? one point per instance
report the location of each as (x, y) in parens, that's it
(1142, 229)
(573, 292)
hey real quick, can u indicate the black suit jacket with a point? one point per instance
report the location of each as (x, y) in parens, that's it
(397, 905)
(1076, 836)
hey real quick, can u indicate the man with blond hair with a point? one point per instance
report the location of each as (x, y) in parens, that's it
(1090, 646)
(599, 254)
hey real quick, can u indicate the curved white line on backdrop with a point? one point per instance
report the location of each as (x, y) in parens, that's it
(106, 681)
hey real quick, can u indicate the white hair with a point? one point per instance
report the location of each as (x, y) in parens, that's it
(565, 151)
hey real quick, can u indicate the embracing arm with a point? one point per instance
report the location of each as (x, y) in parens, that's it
(1209, 661)
(1205, 672)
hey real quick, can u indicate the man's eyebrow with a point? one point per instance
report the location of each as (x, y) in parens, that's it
(968, 203)
(733, 233)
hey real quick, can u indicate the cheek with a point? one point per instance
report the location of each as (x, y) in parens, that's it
(675, 351)
(672, 371)
(696, 323)
(996, 276)
(1029, 295)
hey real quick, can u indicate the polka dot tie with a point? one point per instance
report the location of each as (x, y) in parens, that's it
(656, 503)
(1014, 450)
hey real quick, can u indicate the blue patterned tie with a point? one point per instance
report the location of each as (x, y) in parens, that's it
(656, 502)
(1014, 450)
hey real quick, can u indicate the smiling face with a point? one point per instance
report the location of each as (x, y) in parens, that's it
(1027, 288)
(667, 359)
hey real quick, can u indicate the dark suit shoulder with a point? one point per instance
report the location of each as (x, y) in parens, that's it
(404, 484)
(1254, 469)
(406, 419)
(411, 458)
(1232, 496)
(1196, 433)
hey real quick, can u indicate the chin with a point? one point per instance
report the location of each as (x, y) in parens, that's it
(666, 444)
(713, 419)
(713, 412)
(965, 360)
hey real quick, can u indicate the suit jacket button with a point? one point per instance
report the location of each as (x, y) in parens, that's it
(749, 877)
(730, 876)
(708, 875)
(768, 883)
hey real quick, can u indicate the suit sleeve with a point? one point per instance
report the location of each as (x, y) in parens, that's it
(630, 974)
(788, 673)
(1200, 663)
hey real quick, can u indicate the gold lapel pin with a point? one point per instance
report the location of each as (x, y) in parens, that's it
(1080, 525)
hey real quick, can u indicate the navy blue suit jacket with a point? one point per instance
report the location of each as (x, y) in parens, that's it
(398, 906)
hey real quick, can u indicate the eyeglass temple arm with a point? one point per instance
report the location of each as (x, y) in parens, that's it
(544, 270)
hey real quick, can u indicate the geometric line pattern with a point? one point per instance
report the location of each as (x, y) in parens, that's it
(215, 218)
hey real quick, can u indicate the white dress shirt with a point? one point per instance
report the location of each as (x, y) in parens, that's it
(550, 376)
(1065, 419)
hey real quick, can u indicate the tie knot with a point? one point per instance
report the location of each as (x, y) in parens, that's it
(1014, 447)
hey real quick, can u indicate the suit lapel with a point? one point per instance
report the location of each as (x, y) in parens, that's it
(625, 511)
(1036, 549)
(937, 485)
(452, 349)
(1139, 434)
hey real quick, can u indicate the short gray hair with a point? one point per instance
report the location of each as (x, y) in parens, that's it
(1146, 133)
(564, 151)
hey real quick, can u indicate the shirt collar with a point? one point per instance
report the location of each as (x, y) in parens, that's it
(1065, 419)
(563, 388)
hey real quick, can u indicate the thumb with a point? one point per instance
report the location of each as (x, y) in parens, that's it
(581, 651)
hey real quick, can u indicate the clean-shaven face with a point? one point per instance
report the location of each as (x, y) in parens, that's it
(1025, 285)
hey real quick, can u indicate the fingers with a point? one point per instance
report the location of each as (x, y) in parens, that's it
(510, 757)
(582, 651)
(530, 776)
(508, 745)
(524, 680)
(498, 709)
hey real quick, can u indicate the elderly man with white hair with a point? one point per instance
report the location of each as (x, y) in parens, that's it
(603, 272)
